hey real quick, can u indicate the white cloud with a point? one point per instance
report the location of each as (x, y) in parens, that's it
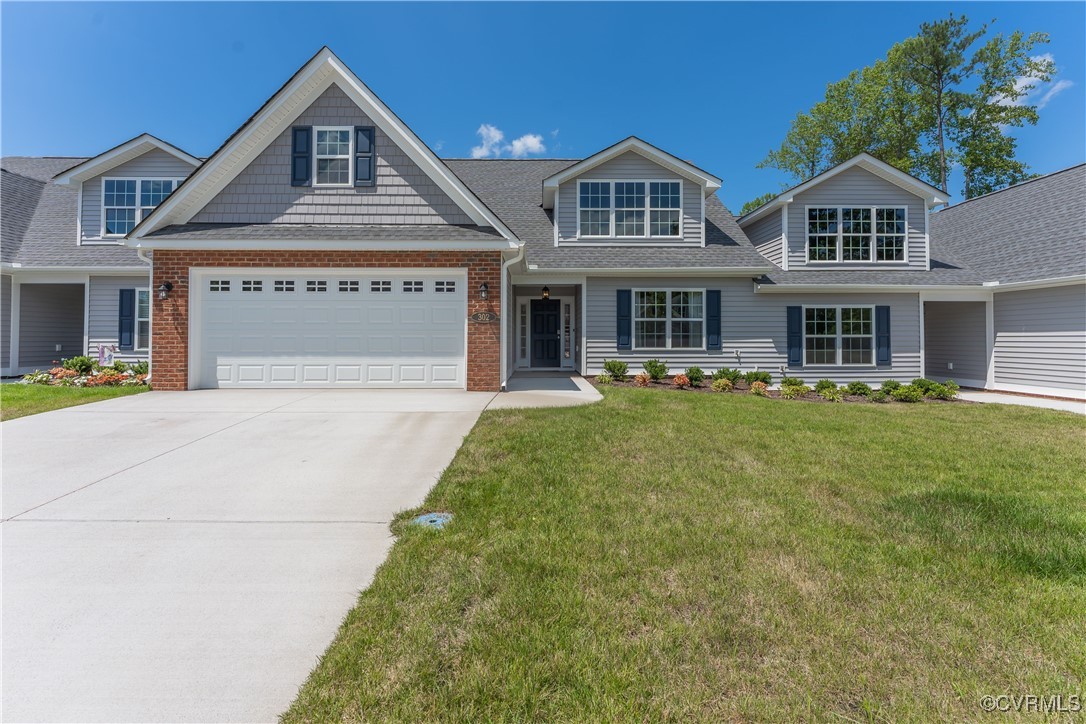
(1032, 90)
(1059, 87)
(528, 143)
(491, 138)
(439, 145)
(554, 133)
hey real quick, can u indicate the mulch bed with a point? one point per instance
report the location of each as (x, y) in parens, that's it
(741, 388)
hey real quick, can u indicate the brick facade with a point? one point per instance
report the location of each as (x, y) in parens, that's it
(170, 332)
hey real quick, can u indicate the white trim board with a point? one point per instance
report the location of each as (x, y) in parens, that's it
(133, 148)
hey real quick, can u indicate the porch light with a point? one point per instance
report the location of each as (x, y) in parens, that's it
(484, 290)
(546, 292)
(164, 290)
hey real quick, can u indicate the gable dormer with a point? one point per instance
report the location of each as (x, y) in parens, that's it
(118, 188)
(630, 194)
(861, 214)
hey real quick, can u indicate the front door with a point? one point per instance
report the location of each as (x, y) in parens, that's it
(545, 338)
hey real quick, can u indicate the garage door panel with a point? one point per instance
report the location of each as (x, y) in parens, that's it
(347, 335)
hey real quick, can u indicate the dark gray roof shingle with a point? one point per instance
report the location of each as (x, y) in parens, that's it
(1029, 232)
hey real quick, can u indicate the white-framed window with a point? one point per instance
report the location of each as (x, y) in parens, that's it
(348, 285)
(669, 319)
(283, 285)
(143, 319)
(857, 233)
(334, 149)
(252, 285)
(413, 286)
(316, 285)
(839, 336)
(380, 286)
(125, 201)
(218, 285)
(445, 286)
(629, 209)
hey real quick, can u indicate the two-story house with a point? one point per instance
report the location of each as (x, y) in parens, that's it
(324, 244)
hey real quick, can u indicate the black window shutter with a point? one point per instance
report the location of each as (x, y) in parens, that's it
(882, 335)
(795, 336)
(712, 319)
(126, 319)
(364, 156)
(623, 319)
(301, 166)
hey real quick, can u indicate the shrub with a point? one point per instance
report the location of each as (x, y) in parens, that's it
(889, 386)
(696, 376)
(605, 379)
(83, 365)
(791, 382)
(923, 384)
(119, 366)
(37, 377)
(833, 394)
(791, 392)
(616, 368)
(728, 374)
(758, 376)
(879, 396)
(759, 388)
(861, 389)
(945, 391)
(722, 384)
(680, 381)
(907, 393)
(825, 385)
(656, 369)
(642, 380)
(140, 368)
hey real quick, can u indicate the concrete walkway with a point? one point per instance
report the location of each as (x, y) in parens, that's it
(545, 389)
(1005, 399)
(188, 556)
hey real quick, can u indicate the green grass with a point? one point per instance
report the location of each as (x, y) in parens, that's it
(716, 557)
(18, 400)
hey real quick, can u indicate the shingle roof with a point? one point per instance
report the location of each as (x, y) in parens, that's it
(45, 233)
(324, 232)
(1029, 232)
(513, 188)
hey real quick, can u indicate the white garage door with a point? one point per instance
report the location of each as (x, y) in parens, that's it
(314, 328)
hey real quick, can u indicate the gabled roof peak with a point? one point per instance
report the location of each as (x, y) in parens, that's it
(119, 154)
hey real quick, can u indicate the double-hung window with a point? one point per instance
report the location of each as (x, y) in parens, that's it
(856, 234)
(332, 160)
(669, 319)
(143, 318)
(126, 201)
(838, 335)
(629, 209)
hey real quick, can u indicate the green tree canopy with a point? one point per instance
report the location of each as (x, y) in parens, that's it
(755, 203)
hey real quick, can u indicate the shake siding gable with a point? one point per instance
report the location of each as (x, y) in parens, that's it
(634, 166)
(857, 186)
(262, 193)
(153, 164)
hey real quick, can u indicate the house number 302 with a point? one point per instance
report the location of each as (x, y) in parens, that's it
(484, 317)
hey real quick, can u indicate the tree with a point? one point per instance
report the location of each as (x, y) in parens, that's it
(755, 203)
(803, 153)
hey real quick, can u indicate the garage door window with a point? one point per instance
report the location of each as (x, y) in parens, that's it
(348, 285)
(252, 285)
(380, 286)
(445, 287)
(316, 286)
(284, 285)
(411, 287)
(219, 285)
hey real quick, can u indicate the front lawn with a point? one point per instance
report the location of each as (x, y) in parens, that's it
(18, 400)
(721, 557)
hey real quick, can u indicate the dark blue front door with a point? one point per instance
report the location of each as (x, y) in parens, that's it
(545, 339)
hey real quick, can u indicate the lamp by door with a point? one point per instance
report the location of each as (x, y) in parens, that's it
(546, 292)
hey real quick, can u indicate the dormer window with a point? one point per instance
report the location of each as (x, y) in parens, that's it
(629, 209)
(126, 201)
(856, 234)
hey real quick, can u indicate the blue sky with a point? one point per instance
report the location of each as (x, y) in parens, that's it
(715, 83)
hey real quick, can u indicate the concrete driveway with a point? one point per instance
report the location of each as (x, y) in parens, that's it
(188, 556)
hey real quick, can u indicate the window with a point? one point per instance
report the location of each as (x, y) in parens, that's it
(524, 331)
(252, 285)
(411, 287)
(284, 285)
(851, 234)
(669, 319)
(640, 209)
(379, 286)
(219, 285)
(445, 287)
(143, 318)
(348, 285)
(838, 335)
(316, 285)
(333, 157)
(126, 201)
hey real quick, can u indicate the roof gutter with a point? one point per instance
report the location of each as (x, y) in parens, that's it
(737, 271)
(1038, 284)
(888, 288)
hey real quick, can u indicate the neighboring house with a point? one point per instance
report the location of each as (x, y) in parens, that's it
(325, 244)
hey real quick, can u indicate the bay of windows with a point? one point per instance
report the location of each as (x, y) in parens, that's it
(838, 335)
(856, 234)
(669, 319)
(629, 209)
(126, 201)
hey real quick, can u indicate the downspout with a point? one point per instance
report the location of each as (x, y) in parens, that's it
(507, 290)
(142, 254)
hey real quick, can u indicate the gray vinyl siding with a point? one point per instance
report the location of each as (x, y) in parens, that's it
(262, 194)
(765, 234)
(153, 164)
(1040, 337)
(754, 325)
(954, 333)
(862, 188)
(631, 165)
(49, 314)
(5, 321)
(102, 321)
